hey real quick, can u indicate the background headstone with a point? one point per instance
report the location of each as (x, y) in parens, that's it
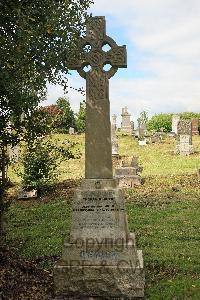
(127, 125)
(175, 120)
(114, 140)
(195, 126)
(27, 194)
(71, 130)
(184, 138)
(128, 174)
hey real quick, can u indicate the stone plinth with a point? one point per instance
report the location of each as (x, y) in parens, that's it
(99, 258)
(128, 174)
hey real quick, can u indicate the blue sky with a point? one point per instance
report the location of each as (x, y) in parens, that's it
(163, 48)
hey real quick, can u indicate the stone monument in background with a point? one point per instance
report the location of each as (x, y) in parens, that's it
(184, 138)
(99, 258)
(195, 126)
(128, 174)
(127, 125)
(175, 120)
(71, 130)
(114, 140)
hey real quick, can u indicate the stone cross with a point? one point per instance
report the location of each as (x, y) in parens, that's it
(98, 155)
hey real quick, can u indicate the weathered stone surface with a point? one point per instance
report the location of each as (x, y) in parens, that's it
(27, 194)
(195, 126)
(142, 130)
(124, 280)
(100, 252)
(128, 174)
(99, 258)
(185, 148)
(156, 138)
(175, 120)
(127, 125)
(97, 139)
(184, 139)
(98, 212)
(184, 127)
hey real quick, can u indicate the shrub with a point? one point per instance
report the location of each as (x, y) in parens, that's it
(160, 121)
(40, 162)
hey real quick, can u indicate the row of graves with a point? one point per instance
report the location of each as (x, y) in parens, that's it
(182, 132)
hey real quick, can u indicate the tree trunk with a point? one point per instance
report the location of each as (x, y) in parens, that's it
(2, 188)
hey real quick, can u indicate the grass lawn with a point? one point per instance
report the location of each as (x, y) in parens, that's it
(164, 213)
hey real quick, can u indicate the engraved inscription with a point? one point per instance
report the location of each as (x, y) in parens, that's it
(97, 211)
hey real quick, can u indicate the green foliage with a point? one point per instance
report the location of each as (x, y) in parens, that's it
(81, 117)
(66, 118)
(36, 38)
(41, 160)
(143, 118)
(190, 115)
(39, 164)
(160, 121)
(165, 224)
(165, 120)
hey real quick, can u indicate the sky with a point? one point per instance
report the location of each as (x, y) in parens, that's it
(163, 56)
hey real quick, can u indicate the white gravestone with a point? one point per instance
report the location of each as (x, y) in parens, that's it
(71, 130)
(175, 120)
(115, 145)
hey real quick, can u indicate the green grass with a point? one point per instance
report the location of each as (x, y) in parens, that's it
(164, 213)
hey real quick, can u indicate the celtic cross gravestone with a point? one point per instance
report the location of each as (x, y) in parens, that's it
(99, 258)
(98, 141)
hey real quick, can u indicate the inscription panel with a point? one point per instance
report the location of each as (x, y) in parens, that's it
(97, 210)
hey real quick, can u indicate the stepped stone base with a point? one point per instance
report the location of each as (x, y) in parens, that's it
(123, 281)
(129, 181)
(100, 259)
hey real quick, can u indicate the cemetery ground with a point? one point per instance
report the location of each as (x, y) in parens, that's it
(163, 213)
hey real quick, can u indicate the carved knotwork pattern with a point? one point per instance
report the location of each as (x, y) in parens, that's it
(97, 85)
(96, 28)
(116, 57)
(96, 37)
(96, 58)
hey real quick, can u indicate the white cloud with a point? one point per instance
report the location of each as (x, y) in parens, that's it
(164, 42)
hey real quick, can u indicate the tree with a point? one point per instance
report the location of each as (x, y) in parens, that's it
(37, 37)
(81, 117)
(54, 114)
(160, 121)
(143, 119)
(66, 118)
